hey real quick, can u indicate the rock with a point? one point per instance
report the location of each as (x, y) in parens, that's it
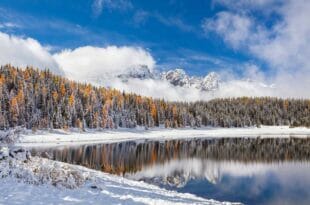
(19, 153)
(93, 187)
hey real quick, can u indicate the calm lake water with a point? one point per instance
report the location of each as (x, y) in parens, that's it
(247, 170)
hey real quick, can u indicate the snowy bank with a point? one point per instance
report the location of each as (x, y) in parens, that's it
(61, 137)
(33, 180)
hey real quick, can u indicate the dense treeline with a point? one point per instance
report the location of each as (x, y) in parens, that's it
(40, 99)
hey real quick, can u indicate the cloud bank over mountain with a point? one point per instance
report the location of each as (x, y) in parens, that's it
(94, 63)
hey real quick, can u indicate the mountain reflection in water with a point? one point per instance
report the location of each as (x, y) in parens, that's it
(250, 170)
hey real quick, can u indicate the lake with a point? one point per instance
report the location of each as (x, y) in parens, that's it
(247, 170)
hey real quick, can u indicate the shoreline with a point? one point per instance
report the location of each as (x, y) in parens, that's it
(74, 137)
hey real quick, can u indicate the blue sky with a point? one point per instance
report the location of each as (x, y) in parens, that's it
(171, 30)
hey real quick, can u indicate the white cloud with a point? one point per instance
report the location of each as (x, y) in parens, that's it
(96, 62)
(21, 52)
(234, 28)
(288, 48)
(283, 45)
(157, 89)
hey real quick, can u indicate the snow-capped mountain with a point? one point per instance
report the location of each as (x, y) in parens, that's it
(141, 72)
(178, 77)
(177, 85)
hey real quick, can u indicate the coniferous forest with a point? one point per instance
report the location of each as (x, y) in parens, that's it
(39, 99)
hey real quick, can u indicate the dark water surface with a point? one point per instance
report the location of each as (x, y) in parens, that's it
(248, 170)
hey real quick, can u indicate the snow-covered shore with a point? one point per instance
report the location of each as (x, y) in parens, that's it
(61, 137)
(34, 180)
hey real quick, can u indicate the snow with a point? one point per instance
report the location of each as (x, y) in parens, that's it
(10, 136)
(12, 192)
(34, 180)
(61, 137)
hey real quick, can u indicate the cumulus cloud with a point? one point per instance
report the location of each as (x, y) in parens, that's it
(282, 46)
(22, 52)
(99, 62)
(288, 47)
(234, 28)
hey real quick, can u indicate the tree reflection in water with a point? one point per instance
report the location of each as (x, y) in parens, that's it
(250, 170)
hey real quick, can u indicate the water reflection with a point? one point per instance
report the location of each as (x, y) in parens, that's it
(253, 171)
(250, 183)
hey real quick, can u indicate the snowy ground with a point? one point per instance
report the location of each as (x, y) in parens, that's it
(60, 137)
(34, 180)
